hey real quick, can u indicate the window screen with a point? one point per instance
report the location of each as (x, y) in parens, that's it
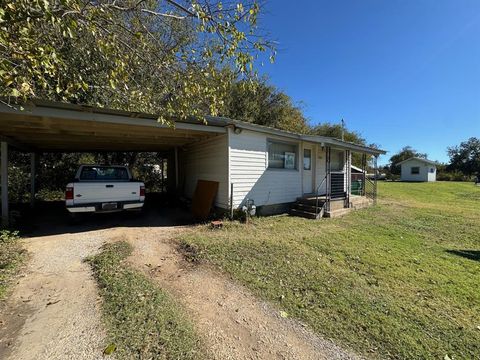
(337, 160)
(108, 173)
(282, 155)
(415, 170)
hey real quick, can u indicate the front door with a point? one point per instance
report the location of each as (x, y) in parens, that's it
(307, 170)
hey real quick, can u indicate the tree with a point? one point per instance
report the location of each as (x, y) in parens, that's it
(406, 153)
(156, 56)
(465, 157)
(335, 131)
(263, 104)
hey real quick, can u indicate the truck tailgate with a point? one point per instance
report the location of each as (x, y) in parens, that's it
(93, 192)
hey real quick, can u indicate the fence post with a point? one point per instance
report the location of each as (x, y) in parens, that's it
(329, 177)
(375, 179)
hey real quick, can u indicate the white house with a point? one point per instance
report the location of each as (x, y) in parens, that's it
(272, 168)
(418, 169)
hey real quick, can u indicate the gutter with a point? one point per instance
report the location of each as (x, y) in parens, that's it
(300, 137)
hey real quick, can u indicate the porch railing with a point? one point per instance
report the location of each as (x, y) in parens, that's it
(317, 195)
(370, 189)
(337, 185)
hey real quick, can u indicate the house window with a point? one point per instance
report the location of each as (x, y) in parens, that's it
(432, 170)
(307, 159)
(415, 170)
(282, 155)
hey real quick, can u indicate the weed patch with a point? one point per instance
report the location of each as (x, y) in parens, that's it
(11, 256)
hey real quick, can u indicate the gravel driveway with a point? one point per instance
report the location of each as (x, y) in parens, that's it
(54, 310)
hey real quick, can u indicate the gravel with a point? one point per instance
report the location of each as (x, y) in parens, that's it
(54, 311)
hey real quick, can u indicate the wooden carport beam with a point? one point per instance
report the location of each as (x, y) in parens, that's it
(4, 181)
(16, 144)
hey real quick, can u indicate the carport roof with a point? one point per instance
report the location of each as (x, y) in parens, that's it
(55, 126)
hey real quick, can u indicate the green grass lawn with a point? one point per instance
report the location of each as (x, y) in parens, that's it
(142, 320)
(399, 280)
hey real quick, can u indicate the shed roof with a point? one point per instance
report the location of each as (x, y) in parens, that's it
(426, 161)
(55, 126)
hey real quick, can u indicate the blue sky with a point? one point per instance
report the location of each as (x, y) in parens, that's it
(400, 72)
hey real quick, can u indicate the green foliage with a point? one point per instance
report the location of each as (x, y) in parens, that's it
(56, 170)
(406, 153)
(11, 256)
(465, 157)
(263, 104)
(143, 321)
(398, 281)
(154, 56)
(335, 131)
(444, 173)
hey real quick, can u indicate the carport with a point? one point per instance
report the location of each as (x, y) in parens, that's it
(42, 126)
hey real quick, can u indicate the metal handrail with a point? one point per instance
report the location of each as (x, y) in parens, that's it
(316, 194)
(372, 184)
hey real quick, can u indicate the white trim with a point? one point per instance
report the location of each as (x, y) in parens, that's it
(425, 161)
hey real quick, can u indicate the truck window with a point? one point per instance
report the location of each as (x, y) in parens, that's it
(104, 173)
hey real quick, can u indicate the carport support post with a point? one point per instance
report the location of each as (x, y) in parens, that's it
(33, 163)
(4, 182)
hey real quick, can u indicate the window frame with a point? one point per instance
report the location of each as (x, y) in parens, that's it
(417, 170)
(296, 152)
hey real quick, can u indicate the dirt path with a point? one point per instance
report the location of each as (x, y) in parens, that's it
(54, 310)
(234, 323)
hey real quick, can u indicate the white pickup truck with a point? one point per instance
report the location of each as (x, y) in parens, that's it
(101, 188)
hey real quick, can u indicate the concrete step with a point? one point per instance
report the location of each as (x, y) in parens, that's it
(311, 201)
(304, 214)
(337, 213)
(307, 207)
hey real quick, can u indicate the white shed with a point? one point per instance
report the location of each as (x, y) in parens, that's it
(418, 169)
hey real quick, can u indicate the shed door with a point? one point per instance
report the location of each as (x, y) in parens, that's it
(307, 170)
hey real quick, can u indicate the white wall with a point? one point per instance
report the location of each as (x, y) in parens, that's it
(206, 160)
(424, 174)
(251, 177)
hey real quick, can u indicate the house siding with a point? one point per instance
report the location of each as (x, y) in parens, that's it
(424, 174)
(251, 177)
(207, 160)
